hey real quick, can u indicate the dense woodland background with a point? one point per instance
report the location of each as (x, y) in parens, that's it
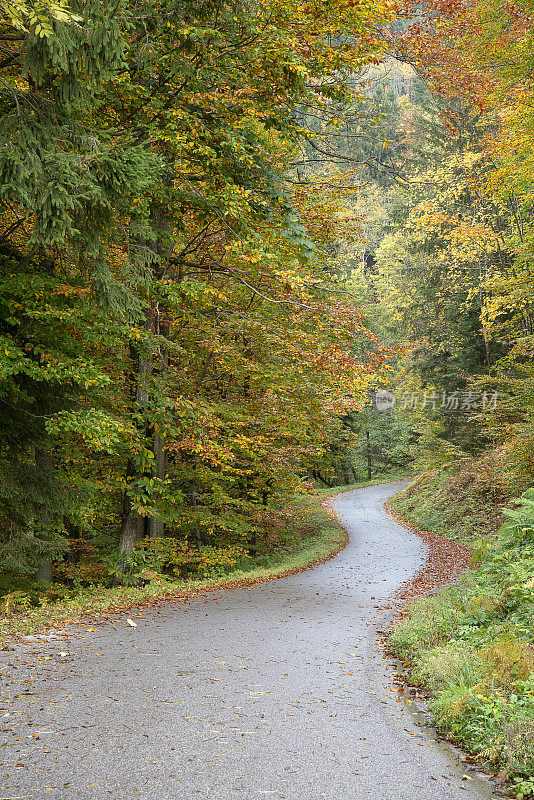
(225, 227)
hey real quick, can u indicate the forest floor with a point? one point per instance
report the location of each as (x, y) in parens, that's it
(279, 690)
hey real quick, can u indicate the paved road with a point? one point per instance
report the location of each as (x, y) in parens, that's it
(278, 691)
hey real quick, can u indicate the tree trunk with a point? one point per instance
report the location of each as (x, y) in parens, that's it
(482, 310)
(131, 530)
(197, 526)
(44, 570)
(133, 525)
(155, 525)
(144, 364)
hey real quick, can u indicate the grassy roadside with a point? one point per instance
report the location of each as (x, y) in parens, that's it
(472, 645)
(323, 539)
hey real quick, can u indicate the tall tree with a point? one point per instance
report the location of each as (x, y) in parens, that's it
(62, 183)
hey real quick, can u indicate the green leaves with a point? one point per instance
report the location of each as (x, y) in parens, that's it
(38, 16)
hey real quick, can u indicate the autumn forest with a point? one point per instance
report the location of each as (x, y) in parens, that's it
(225, 227)
(253, 253)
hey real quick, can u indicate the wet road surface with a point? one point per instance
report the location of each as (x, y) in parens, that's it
(276, 691)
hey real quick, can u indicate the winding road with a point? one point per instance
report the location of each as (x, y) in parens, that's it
(275, 691)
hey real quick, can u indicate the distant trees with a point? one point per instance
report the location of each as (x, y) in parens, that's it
(452, 265)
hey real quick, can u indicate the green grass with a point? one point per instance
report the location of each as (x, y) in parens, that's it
(472, 645)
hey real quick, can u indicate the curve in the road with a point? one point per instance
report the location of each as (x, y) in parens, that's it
(277, 691)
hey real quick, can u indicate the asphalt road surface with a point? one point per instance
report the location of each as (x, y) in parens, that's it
(276, 691)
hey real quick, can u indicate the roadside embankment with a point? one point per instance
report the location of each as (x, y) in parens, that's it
(471, 644)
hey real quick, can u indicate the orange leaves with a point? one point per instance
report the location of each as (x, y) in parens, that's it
(441, 49)
(68, 290)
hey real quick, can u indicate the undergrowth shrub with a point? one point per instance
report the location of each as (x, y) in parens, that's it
(451, 503)
(452, 664)
(508, 659)
(206, 562)
(431, 623)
